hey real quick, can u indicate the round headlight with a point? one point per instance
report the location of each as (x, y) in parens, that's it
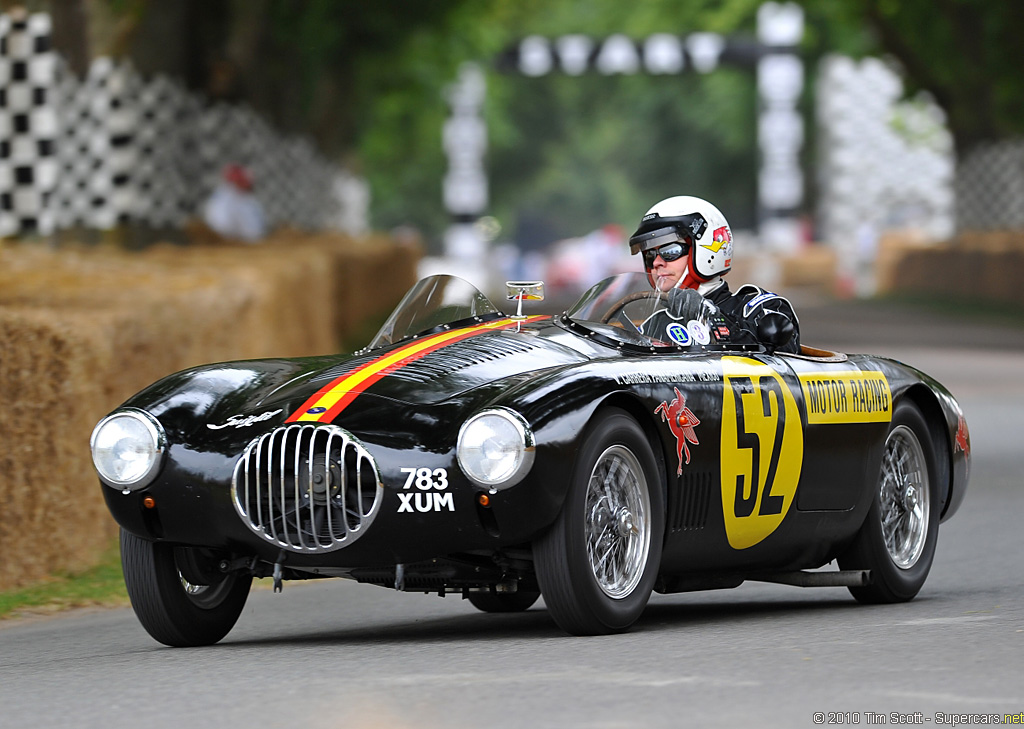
(127, 448)
(495, 448)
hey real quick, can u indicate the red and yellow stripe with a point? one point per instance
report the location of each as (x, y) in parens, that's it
(330, 400)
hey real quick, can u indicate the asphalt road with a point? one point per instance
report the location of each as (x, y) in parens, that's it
(337, 654)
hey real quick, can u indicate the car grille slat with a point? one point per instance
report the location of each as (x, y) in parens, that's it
(307, 488)
(284, 485)
(329, 513)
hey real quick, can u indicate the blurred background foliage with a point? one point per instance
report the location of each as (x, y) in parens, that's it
(566, 154)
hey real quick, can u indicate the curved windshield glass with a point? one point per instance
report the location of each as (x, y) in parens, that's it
(627, 310)
(433, 302)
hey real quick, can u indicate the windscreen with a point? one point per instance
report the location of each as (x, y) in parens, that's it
(626, 310)
(433, 302)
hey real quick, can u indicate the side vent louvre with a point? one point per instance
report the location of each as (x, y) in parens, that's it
(689, 504)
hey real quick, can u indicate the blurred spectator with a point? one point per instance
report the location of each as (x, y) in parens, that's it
(576, 264)
(232, 209)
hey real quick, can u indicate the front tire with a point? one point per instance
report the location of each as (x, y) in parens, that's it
(174, 610)
(898, 538)
(597, 564)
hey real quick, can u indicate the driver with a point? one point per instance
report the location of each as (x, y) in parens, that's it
(686, 244)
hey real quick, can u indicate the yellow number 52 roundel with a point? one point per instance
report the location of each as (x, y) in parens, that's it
(762, 450)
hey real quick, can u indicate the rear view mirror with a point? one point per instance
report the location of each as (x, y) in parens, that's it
(520, 291)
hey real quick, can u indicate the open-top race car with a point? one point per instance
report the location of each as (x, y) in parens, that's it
(465, 451)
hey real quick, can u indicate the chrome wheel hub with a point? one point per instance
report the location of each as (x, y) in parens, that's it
(207, 596)
(625, 523)
(618, 523)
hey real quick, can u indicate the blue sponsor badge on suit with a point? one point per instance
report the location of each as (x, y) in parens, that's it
(678, 334)
(757, 301)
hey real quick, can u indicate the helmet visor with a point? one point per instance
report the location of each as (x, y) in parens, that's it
(642, 242)
(656, 230)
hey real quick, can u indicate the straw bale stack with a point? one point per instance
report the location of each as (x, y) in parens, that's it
(82, 329)
(987, 266)
(378, 270)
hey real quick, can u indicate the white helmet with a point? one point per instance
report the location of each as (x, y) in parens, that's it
(689, 220)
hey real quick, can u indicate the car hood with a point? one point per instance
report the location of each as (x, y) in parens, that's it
(235, 395)
(433, 375)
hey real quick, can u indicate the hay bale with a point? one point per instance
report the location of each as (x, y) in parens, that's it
(991, 240)
(81, 329)
(814, 266)
(989, 268)
(53, 512)
(373, 276)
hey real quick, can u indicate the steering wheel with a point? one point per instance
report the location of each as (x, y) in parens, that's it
(615, 309)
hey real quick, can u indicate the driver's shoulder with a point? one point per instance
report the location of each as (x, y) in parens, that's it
(753, 296)
(751, 290)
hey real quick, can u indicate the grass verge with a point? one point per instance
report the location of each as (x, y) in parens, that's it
(101, 585)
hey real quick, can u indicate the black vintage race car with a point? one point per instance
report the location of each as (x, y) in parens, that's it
(469, 452)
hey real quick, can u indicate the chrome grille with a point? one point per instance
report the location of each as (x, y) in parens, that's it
(307, 488)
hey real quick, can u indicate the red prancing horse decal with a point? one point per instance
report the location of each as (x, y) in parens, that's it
(963, 442)
(681, 421)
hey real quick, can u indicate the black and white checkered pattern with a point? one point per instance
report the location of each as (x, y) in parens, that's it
(28, 124)
(98, 150)
(115, 148)
(163, 168)
(990, 187)
(71, 202)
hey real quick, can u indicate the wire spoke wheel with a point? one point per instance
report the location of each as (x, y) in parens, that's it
(903, 497)
(618, 529)
(597, 564)
(897, 539)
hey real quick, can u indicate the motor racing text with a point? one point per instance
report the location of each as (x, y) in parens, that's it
(847, 397)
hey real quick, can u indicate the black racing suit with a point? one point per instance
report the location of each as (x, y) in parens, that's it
(742, 310)
(746, 306)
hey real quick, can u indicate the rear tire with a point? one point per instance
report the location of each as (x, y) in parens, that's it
(173, 610)
(597, 564)
(898, 538)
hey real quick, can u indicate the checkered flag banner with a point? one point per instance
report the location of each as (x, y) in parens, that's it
(28, 124)
(990, 187)
(115, 148)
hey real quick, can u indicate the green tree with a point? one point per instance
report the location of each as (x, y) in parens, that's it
(365, 80)
(569, 154)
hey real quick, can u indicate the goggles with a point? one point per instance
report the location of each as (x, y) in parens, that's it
(670, 252)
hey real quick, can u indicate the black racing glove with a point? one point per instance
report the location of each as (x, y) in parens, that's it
(687, 304)
(775, 330)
